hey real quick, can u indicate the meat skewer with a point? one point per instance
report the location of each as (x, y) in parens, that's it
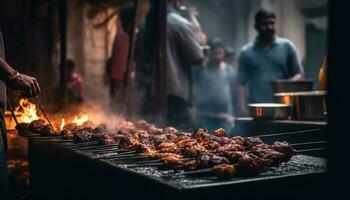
(197, 152)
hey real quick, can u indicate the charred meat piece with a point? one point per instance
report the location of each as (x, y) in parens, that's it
(22, 126)
(194, 151)
(209, 160)
(154, 130)
(105, 139)
(67, 134)
(48, 131)
(190, 165)
(83, 135)
(219, 132)
(239, 140)
(172, 161)
(214, 160)
(127, 142)
(285, 148)
(250, 164)
(141, 134)
(210, 145)
(261, 150)
(186, 143)
(199, 133)
(252, 141)
(102, 128)
(172, 149)
(229, 147)
(36, 126)
(142, 124)
(144, 148)
(163, 155)
(170, 130)
(224, 171)
(233, 156)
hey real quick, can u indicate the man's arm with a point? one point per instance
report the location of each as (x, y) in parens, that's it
(6, 71)
(189, 45)
(298, 76)
(242, 103)
(296, 70)
(242, 80)
(17, 81)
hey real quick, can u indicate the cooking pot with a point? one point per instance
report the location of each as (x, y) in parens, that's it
(309, 105)
(279, 86)
(270, 110)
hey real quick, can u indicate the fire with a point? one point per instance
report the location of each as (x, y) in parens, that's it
(80, 121)
(63, 123)
(27, 111)
(77, 120)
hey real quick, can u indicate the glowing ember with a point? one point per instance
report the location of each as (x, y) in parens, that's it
(63, 123)
(80, 121)
(27, 111)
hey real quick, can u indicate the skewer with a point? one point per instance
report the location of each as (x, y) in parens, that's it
(119, 158)
(310, 150)
(12, 111)
(308, 143)
(42, 110)
(198, 171)
(146, 165)
(287, 133)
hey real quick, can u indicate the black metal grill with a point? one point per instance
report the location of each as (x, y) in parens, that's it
(65, 170)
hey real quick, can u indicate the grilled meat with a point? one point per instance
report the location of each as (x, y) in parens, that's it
(48, 131)
(67, 134)
(285, 148)
(36, 126)
(22, 126)
(224, 171)
(219, 132)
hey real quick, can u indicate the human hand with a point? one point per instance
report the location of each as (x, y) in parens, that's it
(27, 85)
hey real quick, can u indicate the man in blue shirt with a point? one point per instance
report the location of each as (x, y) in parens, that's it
(266, 59)
(213, 100)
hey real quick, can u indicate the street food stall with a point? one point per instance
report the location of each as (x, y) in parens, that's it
(280, 149)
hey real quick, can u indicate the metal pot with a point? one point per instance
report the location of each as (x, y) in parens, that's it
(270, 110)
(305, 105)
(279, 86)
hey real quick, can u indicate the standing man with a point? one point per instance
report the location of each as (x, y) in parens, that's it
(267, 58)
(213, 91)
(27, 85)
(183, 52)
(119, 57)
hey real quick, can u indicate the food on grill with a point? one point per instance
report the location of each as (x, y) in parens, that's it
(224, 171)
(219, 132)
(48, 131)
(22, 126)
(67, 134)
(227, 157)
(36, 126)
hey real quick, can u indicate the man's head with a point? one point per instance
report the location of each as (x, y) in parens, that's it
(265, 23)
(70, 67)
(230, 56)
(126, 16)
(217, 51)
(175, 4)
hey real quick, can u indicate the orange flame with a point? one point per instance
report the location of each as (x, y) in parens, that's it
(27, 111)
(80, 121)
(63, 123)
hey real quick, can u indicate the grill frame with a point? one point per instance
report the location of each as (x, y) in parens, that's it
(77, 181)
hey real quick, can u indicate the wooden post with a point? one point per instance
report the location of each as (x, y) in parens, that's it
(63, 50)
(160, 61)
